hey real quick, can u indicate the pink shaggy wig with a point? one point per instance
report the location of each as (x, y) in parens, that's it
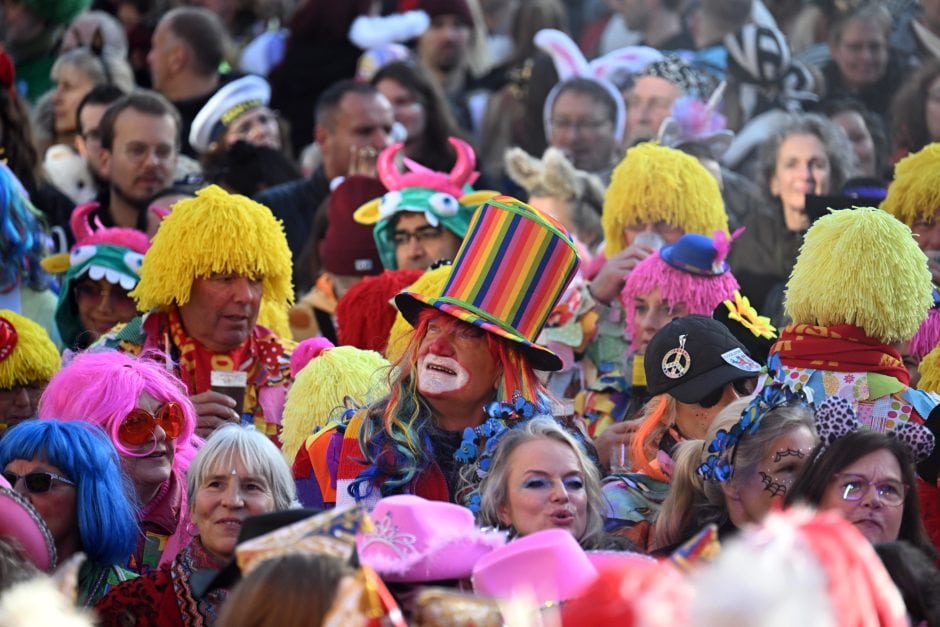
(927, 336)
(700, 293)
(102, 387)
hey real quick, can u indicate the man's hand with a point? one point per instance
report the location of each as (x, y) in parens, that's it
(608, 283)
(213, 409)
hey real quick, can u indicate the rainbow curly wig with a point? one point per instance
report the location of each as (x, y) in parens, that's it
(861, 267)
(32, 356)
(215, 232)
(658, 184)
(915, 193)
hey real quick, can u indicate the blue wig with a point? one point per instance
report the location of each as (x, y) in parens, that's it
(22, 240)
(107, 520)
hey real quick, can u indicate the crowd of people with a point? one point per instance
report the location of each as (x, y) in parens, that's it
(469, 312)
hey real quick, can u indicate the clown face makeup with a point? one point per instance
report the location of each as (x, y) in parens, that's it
(455, 364)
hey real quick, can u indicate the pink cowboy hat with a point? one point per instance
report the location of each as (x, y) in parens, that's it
(416, 540)
(20, 522)
(548, 565)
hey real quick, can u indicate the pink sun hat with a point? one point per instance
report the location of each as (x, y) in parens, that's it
(20, 522)
(547, 566)
(417, 540)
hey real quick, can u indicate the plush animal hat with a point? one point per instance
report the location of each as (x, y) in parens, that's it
(915, 193)
(861, 267)
(215, 232)
(658, 184)
(614, 67)
(114, 254)
(445, 199)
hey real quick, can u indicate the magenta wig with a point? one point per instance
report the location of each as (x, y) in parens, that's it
(701, 293)
(102, 387)
(927, 336)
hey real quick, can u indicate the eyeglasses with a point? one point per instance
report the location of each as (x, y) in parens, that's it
(136, 152)
(855, 487)
(90, 294)
(581, 126)
(36, 482)
(422, 234)
(139, 424)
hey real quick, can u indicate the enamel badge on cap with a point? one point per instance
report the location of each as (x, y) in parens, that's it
(677, 361)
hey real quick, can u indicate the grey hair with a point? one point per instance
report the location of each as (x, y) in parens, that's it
(255, 451)
(494, 487)
(119, 72)
(838, 149)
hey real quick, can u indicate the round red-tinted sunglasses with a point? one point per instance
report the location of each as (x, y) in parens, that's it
(139, 424)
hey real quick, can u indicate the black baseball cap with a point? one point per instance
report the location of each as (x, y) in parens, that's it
(693, 356)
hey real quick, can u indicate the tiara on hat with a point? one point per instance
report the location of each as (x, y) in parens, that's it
(719, 466)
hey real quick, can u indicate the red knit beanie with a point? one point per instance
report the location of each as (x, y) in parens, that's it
(347, 248)
(365, 313)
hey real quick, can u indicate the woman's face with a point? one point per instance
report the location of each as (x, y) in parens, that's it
(101, 305)
(750, 497)
(802, 168)
(857, 132)
(57, 506)
(224, 499)
(155, 464)
(258, 127)
(71, 86)
(652, 313)
(861, 54)
(873, 479)
(545, 489)
(408, 110)
(933, 110)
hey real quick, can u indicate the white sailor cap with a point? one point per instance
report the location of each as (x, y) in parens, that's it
(228, 103)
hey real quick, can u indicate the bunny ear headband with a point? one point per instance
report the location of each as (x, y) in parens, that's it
(570, 63)
(835, 418)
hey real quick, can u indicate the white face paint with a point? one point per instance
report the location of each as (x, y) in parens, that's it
(439, 375)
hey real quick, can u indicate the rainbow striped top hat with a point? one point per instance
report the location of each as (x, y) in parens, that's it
(508, 275)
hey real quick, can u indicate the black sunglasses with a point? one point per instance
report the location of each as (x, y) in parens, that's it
(36, 482)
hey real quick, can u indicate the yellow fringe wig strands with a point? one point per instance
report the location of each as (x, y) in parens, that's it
(915, 193)
(215, 232)
(658, 184)
(861, 267)
(929, 370)
(431, 283)
(34, 358)
(321, 387)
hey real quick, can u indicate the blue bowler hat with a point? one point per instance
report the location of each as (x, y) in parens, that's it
(696, 254)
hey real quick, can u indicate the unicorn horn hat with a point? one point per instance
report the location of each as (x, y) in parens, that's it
(445, 198)
(513, 266)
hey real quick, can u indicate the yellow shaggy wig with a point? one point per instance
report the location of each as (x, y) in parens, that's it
(861, 267)
(658, 184)
(929, 369)
(915, 193)
(215, 232)
(321, 387)
(431, 283)
(34, 358)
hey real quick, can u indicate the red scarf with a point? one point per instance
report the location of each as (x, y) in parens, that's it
(839, 348)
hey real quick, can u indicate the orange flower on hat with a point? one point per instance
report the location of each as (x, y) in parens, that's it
(742, 311)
